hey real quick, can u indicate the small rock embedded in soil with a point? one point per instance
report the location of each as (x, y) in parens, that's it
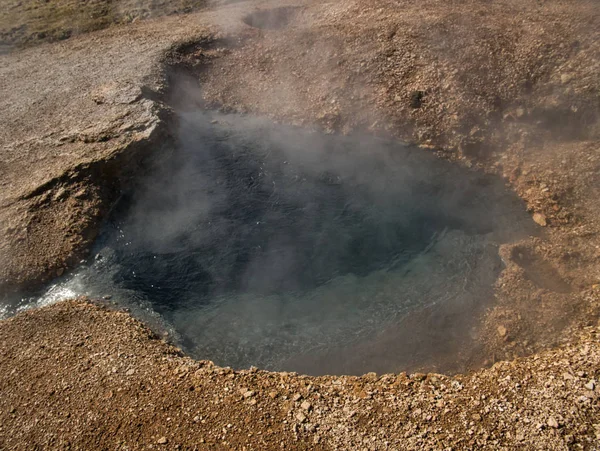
(540, 219)
(60, 194)
(502, 331)
(162, 441)
(565, 78)
(552, 423)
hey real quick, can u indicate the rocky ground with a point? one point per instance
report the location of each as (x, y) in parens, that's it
(115, 386)
(27, 23)
(508, 87)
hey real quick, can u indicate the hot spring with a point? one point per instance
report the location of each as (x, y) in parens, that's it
(261, 245)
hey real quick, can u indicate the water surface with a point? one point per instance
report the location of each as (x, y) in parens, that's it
(257, 244)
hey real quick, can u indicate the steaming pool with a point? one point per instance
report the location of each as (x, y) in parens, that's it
(262, 245)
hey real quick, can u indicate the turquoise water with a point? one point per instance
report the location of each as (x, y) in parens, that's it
(256, 244)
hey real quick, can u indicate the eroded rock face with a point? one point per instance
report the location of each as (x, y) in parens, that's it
(73, 127)
(47, 228)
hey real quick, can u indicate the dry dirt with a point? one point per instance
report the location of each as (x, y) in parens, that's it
(507, 87)
(29, 22)
(113, 385)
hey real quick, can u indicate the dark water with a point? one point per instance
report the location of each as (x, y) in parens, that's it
(268, 246)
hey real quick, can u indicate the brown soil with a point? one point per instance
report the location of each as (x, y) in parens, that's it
(511, 88)
(77, 376)
(29, 22)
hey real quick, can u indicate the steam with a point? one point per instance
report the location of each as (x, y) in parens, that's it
(271, 246)
(257, 244)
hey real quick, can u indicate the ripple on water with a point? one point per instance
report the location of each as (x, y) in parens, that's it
(268, 246)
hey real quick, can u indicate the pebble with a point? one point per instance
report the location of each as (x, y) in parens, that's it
(300, 417)
(61, 193)
(519, 437)
(540, 219)
(130, 372)
(370, 376)
(306, 405)
(502, 331)
(565, 78)
(297, 397)
(591, 385)
(552, 423)
(162, 441)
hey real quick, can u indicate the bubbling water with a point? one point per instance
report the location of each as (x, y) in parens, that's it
(265, 245)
